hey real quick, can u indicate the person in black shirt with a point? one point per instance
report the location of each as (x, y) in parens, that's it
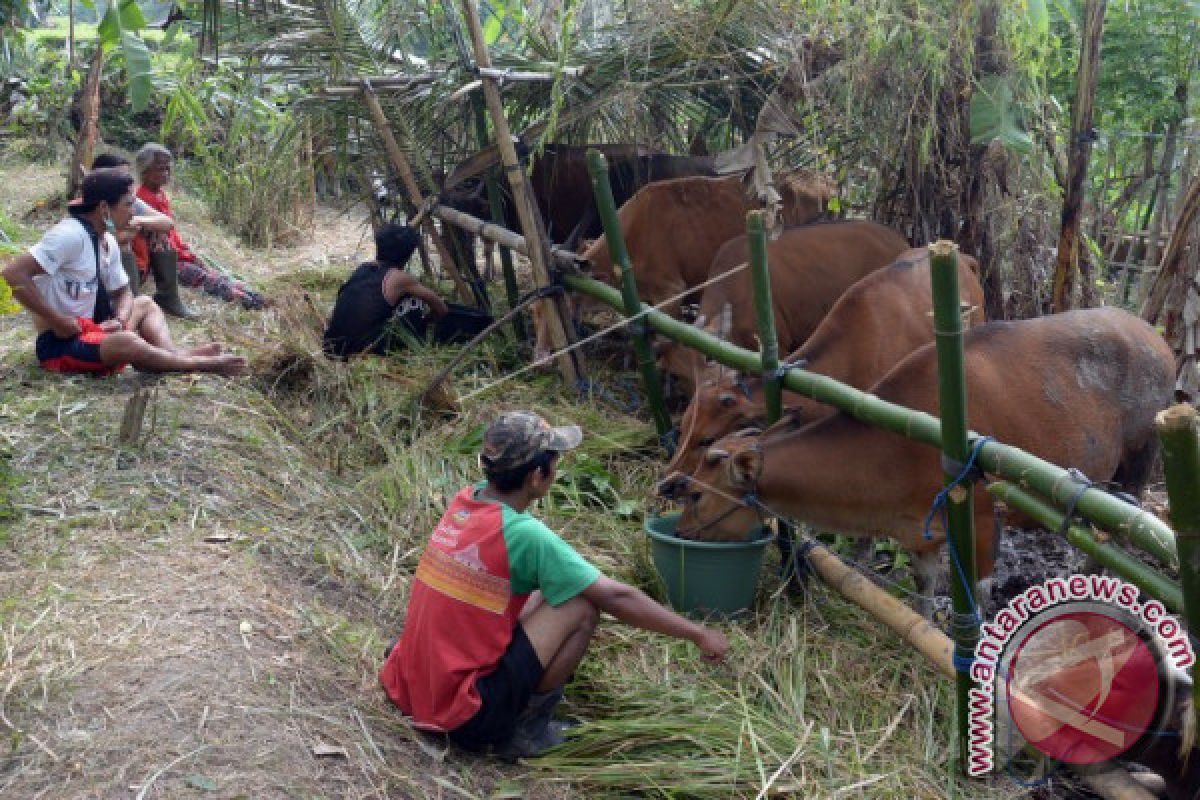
(380, 299)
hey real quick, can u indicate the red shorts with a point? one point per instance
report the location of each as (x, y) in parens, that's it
(76, 354)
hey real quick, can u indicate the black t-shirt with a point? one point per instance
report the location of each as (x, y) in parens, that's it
(363, 320)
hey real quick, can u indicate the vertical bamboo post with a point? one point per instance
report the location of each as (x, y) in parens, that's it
(527, 212)
(960, 534)
(496, 204)
(764, 311)
(396, 155)
(607, 206)
(1179, 430)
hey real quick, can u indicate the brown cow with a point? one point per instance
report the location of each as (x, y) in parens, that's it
(811, 266)
(876, 323)
(1078, 389)
(673, 228)
(562, 187)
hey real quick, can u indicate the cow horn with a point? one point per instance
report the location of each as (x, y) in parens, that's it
(725, 328)
(715, 454)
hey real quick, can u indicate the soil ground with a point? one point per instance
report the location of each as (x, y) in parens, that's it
(154, 642)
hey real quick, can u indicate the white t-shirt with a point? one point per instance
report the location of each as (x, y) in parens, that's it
(66, 254)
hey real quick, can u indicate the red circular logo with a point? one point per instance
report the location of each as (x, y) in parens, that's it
(1083, 687)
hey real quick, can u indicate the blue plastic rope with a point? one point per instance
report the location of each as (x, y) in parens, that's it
(939, 507)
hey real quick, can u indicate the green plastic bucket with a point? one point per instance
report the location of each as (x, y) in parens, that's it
(705, 578)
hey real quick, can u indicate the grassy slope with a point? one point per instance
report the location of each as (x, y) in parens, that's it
(205, 609)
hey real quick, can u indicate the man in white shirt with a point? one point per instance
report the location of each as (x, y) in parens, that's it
(76, 264)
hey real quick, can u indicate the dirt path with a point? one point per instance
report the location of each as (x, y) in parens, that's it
(168, 624)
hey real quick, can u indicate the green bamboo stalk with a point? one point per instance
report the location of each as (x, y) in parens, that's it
(1131, 524)
(598, 171)
(960, 502)
(1081, 537)
(1179, 430)
(764, 310)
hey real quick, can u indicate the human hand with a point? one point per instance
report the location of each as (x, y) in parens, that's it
(713, 645)
(66, 327)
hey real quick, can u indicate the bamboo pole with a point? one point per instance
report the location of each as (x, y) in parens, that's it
(1179, 430)
(1132, 524)
(400, 162)
(764, 310)
(960, 515)
(531, 221)
(1082, 538)
(891, 611)
(496, 205)
(562, 257)
(607, 207)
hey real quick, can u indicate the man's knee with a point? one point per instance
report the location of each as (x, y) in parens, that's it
(583, 611)
(116, 346)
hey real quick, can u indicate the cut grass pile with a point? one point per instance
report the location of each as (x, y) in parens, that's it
(209, 608)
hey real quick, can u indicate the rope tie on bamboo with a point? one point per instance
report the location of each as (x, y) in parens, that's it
(1086, 483)
(782, 370)
(968, 473)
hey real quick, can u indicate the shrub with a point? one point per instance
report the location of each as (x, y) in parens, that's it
(250, 156)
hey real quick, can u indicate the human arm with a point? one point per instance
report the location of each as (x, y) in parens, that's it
(398, 283)
(122, 303)
(19, 275)
(634, 607)
(147, 218)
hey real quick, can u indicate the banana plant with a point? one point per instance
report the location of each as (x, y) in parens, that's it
(119, 29)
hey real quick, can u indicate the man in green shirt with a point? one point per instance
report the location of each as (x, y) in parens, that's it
(503, 610)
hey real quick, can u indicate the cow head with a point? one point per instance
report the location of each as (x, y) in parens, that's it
(724, 402)
(690, 367)
(714, 508)
(805, 195)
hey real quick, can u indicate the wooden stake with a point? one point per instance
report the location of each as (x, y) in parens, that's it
(396, 155)
(527, 211)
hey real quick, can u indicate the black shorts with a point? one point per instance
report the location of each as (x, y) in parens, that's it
(505, 694)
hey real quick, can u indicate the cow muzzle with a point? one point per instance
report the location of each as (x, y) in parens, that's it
(673, 487)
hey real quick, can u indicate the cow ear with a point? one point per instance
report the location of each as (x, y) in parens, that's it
(744, 467)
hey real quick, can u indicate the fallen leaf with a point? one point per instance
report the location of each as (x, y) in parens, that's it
(329, 751)
(202, 782)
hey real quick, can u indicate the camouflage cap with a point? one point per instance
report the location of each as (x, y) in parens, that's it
(517, 437)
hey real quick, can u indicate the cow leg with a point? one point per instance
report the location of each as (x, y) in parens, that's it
(1133, 473)
(864, 550)
(927, 568)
